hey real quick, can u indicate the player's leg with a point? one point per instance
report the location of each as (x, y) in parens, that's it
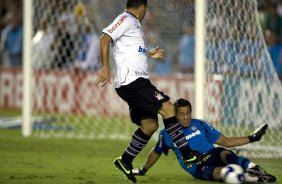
(258, 172)
(211, 170)
(140, 139)
(213, 173)
(148, 124)
(254, 173)
(208, 172)
(217, 175)
(229, 157)
(142, 94)
(175, 131)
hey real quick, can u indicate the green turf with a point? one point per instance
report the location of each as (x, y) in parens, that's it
(44, 161)
(9, 112)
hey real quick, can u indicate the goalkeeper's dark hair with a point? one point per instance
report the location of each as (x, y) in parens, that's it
(182, 103)
(135, 3)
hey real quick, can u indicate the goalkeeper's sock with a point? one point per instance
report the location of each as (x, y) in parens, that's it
(251, 165)
(175, 131)
(234, 159)
(138, 141)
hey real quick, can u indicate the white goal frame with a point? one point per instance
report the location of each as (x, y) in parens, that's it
(27, 103)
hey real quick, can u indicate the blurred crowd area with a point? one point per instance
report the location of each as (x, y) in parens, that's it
(66, 34)
(270, 15)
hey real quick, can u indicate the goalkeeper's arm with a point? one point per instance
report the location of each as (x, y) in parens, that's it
(151, 160)
(258, 133)
(239, 141)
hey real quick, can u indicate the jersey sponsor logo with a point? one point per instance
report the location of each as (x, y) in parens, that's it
(142, 50)
(193, 128)
(117, 24)
(141, 73)
(193, 135)
(158, 95)
(191, 159)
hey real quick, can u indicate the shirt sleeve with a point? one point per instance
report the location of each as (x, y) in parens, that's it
(118, 27)
(161, 146)
(212, 134)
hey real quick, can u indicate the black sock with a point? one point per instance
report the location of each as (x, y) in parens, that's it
(138, 141)
(175, 131)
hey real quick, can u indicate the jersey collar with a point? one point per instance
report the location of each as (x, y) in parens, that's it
(130, 14)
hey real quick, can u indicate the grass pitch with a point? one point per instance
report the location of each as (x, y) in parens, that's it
(64, 161)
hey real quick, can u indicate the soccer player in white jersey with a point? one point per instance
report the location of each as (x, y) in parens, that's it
(201, 135)
(132, 84)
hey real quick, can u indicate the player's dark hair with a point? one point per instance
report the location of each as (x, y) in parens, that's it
(182, 103)
(135, 3)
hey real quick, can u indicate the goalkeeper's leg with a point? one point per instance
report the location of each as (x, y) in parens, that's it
(254, 173)
(229, 157)
(261, 174)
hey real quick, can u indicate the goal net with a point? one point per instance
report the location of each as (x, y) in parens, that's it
(249, 92)
(242, 90)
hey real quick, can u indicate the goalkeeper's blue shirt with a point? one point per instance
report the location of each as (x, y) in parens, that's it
(200, 136)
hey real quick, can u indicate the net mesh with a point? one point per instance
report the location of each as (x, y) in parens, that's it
(237, 57)
(242, 89)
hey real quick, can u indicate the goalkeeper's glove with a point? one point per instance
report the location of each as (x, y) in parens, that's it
(139, 171)
(258, 133)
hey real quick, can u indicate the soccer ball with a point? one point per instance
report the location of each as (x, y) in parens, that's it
(232, 173)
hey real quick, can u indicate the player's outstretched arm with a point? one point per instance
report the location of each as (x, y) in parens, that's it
(151, 160)
(239, 141)
(258, 133)
(232, 141)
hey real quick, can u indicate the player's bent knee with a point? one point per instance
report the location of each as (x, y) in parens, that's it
(154, 127)
(224, 154)
(167, 110)
(216, 173)
(149, 130)
(149, 126)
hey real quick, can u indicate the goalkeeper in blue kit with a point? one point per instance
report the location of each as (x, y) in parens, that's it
(201, 136)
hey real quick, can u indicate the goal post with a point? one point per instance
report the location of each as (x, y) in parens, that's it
(199, 58)
(234, 85)
(27, 70)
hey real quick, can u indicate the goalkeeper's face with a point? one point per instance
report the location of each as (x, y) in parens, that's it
(183, 115)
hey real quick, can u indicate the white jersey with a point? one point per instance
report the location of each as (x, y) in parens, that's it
(129, 49)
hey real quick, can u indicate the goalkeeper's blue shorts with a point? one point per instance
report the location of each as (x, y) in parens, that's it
(205, 170)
